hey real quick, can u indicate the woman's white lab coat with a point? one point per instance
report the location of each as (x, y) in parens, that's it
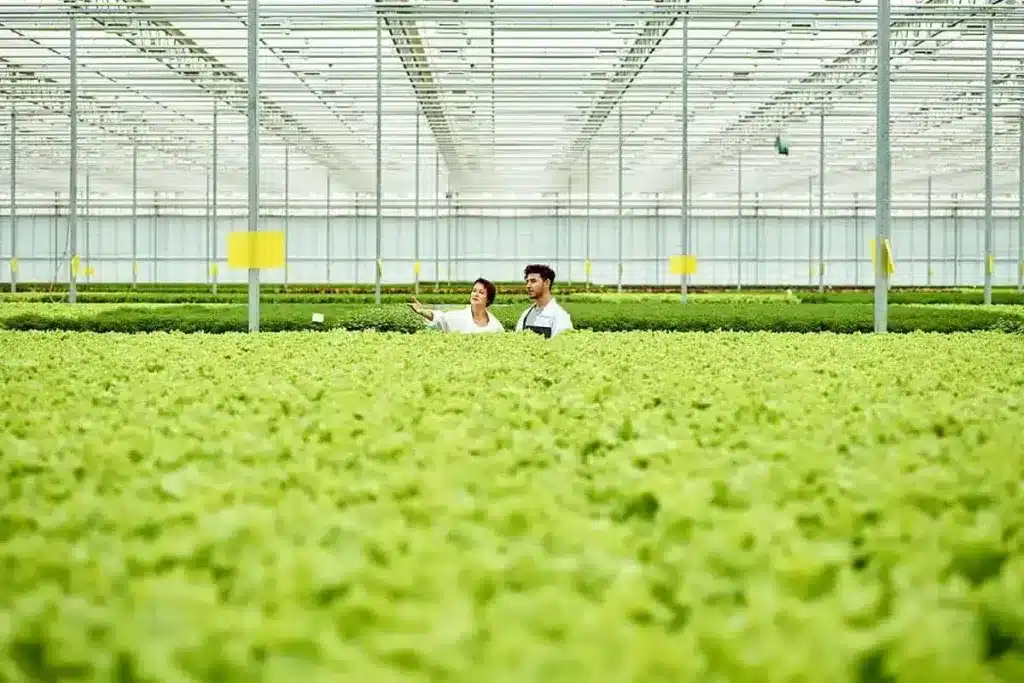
(461, 320)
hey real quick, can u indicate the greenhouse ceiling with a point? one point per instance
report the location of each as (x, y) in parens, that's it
(509, 98)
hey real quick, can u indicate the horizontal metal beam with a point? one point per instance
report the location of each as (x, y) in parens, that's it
(630, 65)
(910, 36)
(412, 53)
(22, 85)
(175, 50)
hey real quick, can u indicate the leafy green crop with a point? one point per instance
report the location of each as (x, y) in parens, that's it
(599, 317)
(687, 508)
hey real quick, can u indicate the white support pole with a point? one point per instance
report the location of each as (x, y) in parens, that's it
(437, 215)
(287, 208)
(416, 211)
(821, 202)
(135, 208)
(73, 161)
(252, 48)
(684, 209)
(213, 200)
(380, 152)
(1020, 205)
(327, 228)
(928, 233)
(619, 195)
(13, 199)
(990, 256)
(586, 229)
(883, 171)
(739, 219)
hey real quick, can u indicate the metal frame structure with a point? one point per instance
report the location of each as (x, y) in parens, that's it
(517, 99)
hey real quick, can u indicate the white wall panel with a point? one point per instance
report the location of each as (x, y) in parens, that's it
(762, 249)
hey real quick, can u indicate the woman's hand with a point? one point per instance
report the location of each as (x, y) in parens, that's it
(418, 309)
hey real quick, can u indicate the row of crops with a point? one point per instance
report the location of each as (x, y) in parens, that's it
(640, 507)
(195, 308)
(694, 499)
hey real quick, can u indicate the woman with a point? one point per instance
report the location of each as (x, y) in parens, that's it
(474, 319)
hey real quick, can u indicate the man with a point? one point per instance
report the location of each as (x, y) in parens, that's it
(545, 316)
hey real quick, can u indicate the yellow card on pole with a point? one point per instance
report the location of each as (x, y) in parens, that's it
(682, 264)
(262, 250)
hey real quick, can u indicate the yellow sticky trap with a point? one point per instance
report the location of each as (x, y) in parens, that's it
(214, 269)
(74, 265)
(586, 267)
(682, 264)
(135, 267)
(14, 265)
(890, 266)
(991, 264)
(260, 250)
(821, 268)
(380, 267)
(416, 268)
(90, 271)
(620, 269)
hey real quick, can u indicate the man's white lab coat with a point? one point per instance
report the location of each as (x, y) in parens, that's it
(552, 317)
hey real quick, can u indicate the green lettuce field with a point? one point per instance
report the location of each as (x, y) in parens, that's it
(597, 508)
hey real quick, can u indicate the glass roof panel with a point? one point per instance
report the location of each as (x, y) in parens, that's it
(510, 97)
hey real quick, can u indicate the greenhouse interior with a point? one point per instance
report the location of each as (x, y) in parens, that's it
(465, 341)
(476, 136)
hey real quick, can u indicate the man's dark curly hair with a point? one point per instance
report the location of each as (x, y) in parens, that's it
(540, 270)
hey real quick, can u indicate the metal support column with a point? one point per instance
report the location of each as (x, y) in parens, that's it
(684, 209)
(858, 237)
(416, 212)
(1020, 205)
(252, 48)
(213, 200)
(437, 215)
(13, 200)
(135, 208)
(739, 219)
(928, 233)
(990, 257)
(586, 229)
(73, 161)
(883, 170)
(558, 233)
(327, 228)
(287, 209)
(448, 227)
(821, 202)
(619, 193)
(209, 225)
(810, 230)
(86, 224)
(568, 230)
(380, 178)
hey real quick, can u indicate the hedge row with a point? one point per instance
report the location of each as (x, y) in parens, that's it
(839, 318)
(517, 296)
